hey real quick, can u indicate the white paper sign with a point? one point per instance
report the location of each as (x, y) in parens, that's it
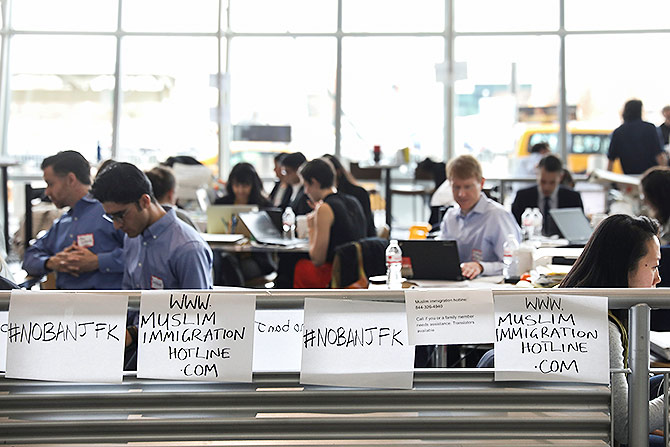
(75, 337)
(277, 340)
(3, 340)
(551, 337)
(449, 316)
(356, 343)
(196, 336)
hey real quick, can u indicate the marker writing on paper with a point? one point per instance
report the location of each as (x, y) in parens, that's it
(350, 337)
(60, 331)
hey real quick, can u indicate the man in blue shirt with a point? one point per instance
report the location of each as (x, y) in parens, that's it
(160, 250)
(478, 224)
(82, 247)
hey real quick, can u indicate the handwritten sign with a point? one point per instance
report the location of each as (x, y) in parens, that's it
(3, 340)
(77, 337)
(449, 316)
(551, 338)
(195, 336)
(356, 343)
(277, 340)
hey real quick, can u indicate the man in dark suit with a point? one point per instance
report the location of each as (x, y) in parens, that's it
(547, 194)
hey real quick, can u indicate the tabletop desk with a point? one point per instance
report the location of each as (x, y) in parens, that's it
(230, 243)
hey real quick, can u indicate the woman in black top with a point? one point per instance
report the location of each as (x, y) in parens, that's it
(346, 183)
(244, 187)
(337, 219)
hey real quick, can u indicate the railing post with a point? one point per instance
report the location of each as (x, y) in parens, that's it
(638, 380)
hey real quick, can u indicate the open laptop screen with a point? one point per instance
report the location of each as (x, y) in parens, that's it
(430, 259)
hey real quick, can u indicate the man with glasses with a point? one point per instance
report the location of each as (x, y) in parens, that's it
(83, 248)
(160, 250)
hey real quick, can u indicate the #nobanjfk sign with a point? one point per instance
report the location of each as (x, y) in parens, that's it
(356, 343)
(76, 337)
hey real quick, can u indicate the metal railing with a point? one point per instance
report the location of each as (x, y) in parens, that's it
(446, 406)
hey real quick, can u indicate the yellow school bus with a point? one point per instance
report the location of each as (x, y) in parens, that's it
(583, 143)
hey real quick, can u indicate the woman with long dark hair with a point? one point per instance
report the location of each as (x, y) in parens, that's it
(623, 251)
(244, 187)
(346, 183)
(655, 183)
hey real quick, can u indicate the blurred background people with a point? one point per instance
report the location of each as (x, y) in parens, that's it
(547, 194)
(346, 184)
(164, 185)
(655, 189)
(635, 143)
(244, 187)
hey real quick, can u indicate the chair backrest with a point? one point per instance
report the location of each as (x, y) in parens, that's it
(346, 262)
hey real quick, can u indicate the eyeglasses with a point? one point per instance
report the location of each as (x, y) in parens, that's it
(116, 217)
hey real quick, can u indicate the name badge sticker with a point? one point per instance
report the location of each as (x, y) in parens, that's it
(85, 240)
(156, 282)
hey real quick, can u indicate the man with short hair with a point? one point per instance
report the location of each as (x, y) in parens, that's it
(81, 246)
(160, 251)
(479, 225)
(546, 195)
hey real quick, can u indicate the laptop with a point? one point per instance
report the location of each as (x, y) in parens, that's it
(573, 224)
(262, 229)
(430, 259)
(220, 217)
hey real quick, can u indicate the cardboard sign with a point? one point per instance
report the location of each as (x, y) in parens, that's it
(450, 316)
(356, 343)
(277, 340)
(550, 337)
(77, 337)
(195, 336)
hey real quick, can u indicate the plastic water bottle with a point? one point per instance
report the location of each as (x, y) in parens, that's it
(510, 257)
(394, 265)
(288, 223)
(537, 222)
(527, 224)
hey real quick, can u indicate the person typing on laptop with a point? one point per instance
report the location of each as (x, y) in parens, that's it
(546, 195)
(337, 219)
(478, 224)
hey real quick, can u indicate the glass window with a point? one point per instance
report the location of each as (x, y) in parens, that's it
(602, 73)
(169, 99)
(509, 15)
(65, 15)
(278, 83)
(509, 94)
(284, 16)
(171, 15)
(616, 14)
(390, 96)
(392, 16)
(61, 94)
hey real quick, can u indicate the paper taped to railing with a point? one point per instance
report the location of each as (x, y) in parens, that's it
(3, 340)
(550, 337)
(196, 336)
(449, 316)
(73, 337)
(277, 340)
(356, 343)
